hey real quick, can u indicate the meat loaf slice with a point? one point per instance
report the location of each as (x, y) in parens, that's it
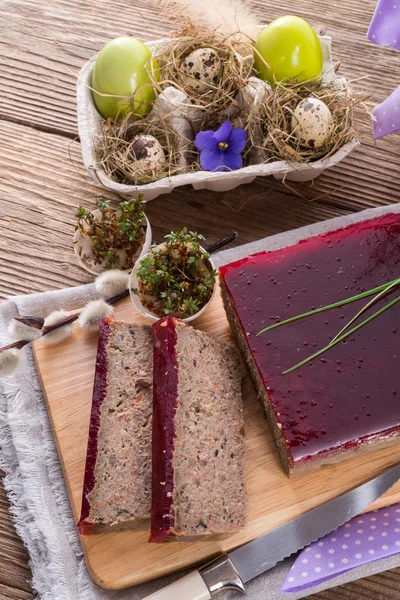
(198, 435)
(117, 483)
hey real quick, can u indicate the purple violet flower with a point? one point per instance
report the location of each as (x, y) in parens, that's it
(221, 150)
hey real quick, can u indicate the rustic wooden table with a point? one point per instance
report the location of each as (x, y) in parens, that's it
(42, 181)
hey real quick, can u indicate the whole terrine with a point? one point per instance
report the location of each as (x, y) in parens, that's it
(347, 398)
(198, 435)
(117, 482)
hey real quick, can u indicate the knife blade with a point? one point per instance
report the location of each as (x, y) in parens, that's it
(233, 570)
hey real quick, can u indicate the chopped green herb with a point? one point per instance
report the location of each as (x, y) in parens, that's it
(177, 278)
(117, 230)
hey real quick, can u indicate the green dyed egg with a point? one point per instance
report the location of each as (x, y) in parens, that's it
(123, 68)
(292, 50)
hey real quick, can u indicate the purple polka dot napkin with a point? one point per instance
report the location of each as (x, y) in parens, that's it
(387, 115)
(362, 540)
(385, 26)
(385, 31)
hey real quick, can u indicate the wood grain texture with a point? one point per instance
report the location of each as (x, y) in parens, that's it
(13, 593)
(14, 570)
(118, 560)
(42, 182)
(42, 47)
(384, 586)
(50, 42)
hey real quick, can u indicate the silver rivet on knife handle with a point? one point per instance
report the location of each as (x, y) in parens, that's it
(221, 575)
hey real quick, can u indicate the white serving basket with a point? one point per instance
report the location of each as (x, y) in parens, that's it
(89, 121)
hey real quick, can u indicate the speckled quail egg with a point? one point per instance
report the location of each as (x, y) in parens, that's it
(312, 123)
(201, 69)
(146, 152)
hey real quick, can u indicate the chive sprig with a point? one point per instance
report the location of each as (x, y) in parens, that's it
(347, 330)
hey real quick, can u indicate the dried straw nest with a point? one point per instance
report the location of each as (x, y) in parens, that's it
(114, 158)
(235, 53)
(269, 126)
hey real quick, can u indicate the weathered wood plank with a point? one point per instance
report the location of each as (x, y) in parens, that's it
(384, 586)
(42, 48)
(14, 570)
(39, 213)
(12, 593)
(69, 411)
(44, 45)
(40, 189)
(369, 177)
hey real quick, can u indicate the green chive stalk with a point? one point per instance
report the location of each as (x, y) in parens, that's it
(330, 306)
(342, 337)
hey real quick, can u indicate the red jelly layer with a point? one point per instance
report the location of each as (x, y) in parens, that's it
(165, 401)
(99, 393)
(350, 394)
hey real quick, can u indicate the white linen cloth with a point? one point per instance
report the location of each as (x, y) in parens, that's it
(34, 480)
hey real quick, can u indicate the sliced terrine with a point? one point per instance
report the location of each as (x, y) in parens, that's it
(198, 435)
(348, 398)
(117, 482)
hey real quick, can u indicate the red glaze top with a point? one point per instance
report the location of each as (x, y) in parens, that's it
(351, 393)
(165, 401)
(99, 393)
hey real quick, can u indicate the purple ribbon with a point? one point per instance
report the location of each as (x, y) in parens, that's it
(385, 31)
(362, 540)
(385, 26)
(387, 115)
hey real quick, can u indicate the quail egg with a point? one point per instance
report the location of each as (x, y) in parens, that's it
(200, 70)
(312, 123)
(146, 152)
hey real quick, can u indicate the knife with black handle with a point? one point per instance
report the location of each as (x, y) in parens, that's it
(233, 570)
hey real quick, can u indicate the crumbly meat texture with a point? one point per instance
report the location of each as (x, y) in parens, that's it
(122, 492)
(198, 435)
(209, 477)
(262, 393)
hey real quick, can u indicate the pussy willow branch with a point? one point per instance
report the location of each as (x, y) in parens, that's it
(37, 322)
(18, 345)
(49, 328)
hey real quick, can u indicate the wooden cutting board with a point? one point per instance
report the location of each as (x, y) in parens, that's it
(118, 560)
